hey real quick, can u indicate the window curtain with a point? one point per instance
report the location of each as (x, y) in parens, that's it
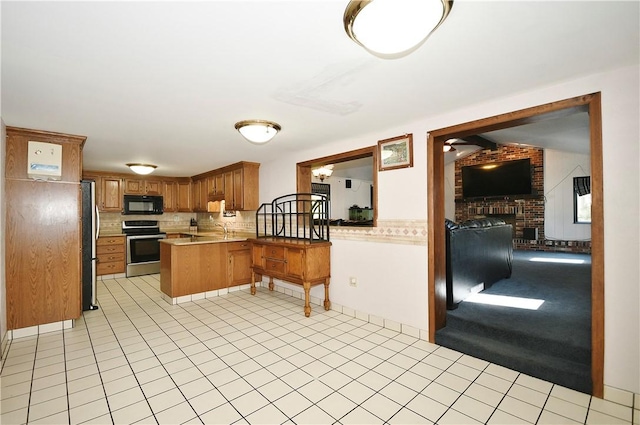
(582, 185)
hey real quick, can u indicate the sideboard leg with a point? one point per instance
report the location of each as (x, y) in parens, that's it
(253, 283)
(327, 303)
(307, 305)
(270, 283)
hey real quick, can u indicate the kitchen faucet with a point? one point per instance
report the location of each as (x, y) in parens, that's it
(224, 228)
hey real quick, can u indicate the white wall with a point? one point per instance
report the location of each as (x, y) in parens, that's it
(342, 198)
(559, 170)
(395, 280)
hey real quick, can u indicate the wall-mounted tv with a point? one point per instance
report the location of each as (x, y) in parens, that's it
(497, 179)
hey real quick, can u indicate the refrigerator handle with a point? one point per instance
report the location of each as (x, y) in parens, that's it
(97, 223)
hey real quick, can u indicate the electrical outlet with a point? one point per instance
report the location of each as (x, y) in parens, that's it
(353, 281)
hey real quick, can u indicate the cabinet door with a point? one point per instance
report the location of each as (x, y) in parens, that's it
(238, 190)
(219, 183)
(295, 263)
(183, 196)
(239, 256)
(229, 191)
(200, 195)
(111, 194)
(204, 194)
(134, 186)
(153, 187)
(169, 191)
(211, 186)
(257, 260)
(43, 252)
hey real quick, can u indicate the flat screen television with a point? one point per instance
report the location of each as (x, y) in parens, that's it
(497, 179)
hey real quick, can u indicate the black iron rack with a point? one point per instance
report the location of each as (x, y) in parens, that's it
(295, 216)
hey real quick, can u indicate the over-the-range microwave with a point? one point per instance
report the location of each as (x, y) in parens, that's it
(143, 204)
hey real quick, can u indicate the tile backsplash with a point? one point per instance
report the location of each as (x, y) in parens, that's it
(179, 221)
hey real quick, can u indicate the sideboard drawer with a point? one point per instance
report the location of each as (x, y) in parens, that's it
(274, 266)
(274, 252)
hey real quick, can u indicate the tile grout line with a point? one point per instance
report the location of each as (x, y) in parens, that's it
(128, 362)
(95, 357)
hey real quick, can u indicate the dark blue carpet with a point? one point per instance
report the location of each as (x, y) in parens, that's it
(552, 343)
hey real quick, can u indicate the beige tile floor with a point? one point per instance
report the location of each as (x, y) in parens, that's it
(243, 359)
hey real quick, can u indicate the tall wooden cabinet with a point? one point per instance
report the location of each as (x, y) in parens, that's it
(43, 233)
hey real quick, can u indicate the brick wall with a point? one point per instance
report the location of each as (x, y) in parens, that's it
(524, 211)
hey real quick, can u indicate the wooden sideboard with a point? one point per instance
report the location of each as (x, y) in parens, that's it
(297, 261)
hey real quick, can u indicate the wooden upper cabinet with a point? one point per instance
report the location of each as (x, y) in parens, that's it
(238, 183)
(244, 187)
(183, 197)
(229, 198)
(110, 194)
(219, 184)
(18, 147)
(135, 186)
(109, 191)
(169, 193)
(199, 195)
(153, 187)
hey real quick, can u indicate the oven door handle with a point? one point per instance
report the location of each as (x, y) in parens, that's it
(130, 237)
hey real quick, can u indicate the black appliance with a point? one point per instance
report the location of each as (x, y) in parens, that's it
(143, 204)
(497, 179)
(90, 230)
(143, 246)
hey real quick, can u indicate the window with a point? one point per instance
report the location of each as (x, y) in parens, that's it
(582, 200)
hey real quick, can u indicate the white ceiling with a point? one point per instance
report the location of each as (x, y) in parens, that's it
(164, 82)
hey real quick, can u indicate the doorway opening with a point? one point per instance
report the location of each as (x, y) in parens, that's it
(436, 217)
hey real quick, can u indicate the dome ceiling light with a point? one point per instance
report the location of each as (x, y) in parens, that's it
(142, 168)
(258, 131)
(393, 28)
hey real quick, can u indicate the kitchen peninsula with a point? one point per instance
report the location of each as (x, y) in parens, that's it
(196, 265)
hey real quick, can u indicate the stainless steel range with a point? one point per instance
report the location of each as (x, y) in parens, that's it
(143, 246)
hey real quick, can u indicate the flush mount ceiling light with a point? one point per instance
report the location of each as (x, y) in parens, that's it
(142, 168)
(258, 131)
(393, 28)
(323, 172)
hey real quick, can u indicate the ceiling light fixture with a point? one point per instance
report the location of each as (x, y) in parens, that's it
(393, 28)
(142, 168)
(323, 172)
(258, 131)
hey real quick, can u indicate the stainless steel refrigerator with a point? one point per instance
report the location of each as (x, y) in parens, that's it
(90, 231)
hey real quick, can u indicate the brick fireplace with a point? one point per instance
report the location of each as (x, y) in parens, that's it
(522, 212)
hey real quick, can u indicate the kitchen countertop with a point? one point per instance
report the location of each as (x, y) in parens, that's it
(201, 238)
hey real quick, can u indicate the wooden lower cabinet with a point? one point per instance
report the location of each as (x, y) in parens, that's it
(239, 263)
(111, 255)
(188, 269)
(296, 261)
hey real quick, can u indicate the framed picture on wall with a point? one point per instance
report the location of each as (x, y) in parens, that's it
(396, 152)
